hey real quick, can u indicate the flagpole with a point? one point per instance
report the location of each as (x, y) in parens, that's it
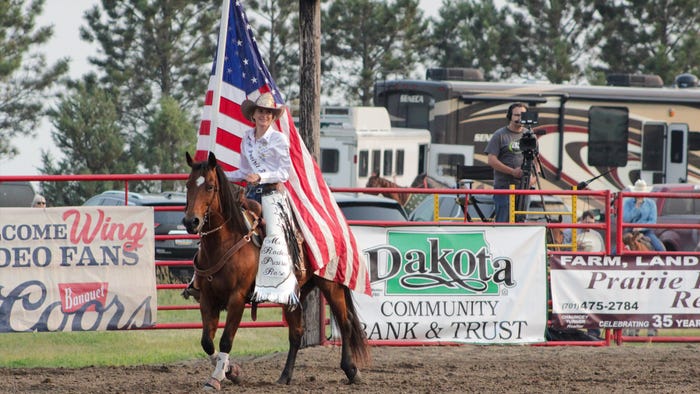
(218, 74)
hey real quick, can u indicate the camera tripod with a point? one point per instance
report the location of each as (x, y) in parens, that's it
(528, 168)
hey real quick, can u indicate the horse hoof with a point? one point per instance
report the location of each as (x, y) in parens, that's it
(357, 379)
(212, 384)
(234, 373)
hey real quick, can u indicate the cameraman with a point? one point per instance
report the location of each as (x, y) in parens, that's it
(506, 159)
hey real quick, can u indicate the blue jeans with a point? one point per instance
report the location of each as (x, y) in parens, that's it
(502, 205)
(655, 241)
(502, 211)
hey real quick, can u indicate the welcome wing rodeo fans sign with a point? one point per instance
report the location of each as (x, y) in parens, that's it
(76, 269)
(482, 285)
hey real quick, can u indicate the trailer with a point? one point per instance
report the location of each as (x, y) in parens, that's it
(357, 142)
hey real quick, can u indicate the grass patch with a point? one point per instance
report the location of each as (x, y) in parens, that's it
(137, 347)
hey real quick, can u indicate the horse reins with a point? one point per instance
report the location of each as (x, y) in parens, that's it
(235, 248)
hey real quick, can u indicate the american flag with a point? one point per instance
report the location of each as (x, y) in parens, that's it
(238, 73)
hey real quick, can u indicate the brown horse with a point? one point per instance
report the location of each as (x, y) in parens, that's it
(408, 200)
(636, 240)
(226, 267)
(377, 181)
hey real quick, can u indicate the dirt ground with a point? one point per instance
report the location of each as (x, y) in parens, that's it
(640, 368)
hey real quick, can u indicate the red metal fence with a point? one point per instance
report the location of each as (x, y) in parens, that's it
(579, 201)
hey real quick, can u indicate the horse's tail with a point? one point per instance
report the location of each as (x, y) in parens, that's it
(357, 340)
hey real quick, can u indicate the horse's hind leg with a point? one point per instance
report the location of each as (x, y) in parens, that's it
(295, 323)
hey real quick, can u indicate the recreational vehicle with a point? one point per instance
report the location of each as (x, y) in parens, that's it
(357, 142)
(617, 134)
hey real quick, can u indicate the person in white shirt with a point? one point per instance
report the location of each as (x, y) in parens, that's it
(264, 166)
(265, 161)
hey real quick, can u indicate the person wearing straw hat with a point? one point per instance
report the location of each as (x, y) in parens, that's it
(264, 165)
(265, 161)
(642, 210)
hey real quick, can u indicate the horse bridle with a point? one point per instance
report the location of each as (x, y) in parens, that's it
(209, 273)
(207, 212)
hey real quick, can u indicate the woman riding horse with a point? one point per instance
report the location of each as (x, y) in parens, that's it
(265, 165)
(226, 268)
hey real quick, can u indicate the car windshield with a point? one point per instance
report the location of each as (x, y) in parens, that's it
(372, 212)
(551, 206)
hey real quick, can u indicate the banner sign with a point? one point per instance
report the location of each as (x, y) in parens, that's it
(482, 285)
(77, 269)
(625, 291)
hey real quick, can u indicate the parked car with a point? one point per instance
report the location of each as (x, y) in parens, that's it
(370, 207)
(165, 223)
(482, 207)
(678, 211)
(16, 194)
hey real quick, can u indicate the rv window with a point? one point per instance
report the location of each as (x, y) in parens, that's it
(376, 162)
(388, 162)
(409, 109)
(363, 164)
(653, 147)
(607, 136)
(329, 160)
(399, 162)
(677, 143)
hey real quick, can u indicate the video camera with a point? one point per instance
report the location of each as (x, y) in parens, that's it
(528, 141)
(528, 118)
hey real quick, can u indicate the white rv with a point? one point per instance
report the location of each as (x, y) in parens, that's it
(357, 142)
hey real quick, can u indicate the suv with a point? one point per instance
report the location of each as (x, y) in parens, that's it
(165, 222)
(369, 207)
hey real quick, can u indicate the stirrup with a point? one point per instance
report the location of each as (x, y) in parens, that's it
(190, 290)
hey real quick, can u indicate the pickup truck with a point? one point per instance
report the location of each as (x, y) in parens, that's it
(678, 211)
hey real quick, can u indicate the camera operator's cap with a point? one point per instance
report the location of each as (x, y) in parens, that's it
(640, 186)
(267, 101)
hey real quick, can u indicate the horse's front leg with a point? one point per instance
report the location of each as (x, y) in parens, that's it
(234, 314)
(210, 321)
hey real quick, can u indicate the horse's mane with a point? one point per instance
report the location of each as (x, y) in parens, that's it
(425, 181)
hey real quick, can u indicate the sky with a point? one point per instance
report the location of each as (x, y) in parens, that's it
(66, 16)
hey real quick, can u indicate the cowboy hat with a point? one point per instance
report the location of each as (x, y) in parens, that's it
(266, 101)
(640, 186)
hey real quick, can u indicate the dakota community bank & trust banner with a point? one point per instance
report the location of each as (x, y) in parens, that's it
(76, 269)
(482, 285)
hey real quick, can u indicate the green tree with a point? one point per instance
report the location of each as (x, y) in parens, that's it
(557, 36)
(168, 137)
(277, 34)
(151, 49)
(86, 129)
(654, 37)
(25, 78)
(476, 34)
(366, 40)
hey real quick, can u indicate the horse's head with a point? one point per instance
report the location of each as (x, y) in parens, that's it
(373, 181)
(210, 198)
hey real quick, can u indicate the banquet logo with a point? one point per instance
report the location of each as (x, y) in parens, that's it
(75, 296)
(439, 264)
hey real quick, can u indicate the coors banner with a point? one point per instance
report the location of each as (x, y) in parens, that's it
(76, 269)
